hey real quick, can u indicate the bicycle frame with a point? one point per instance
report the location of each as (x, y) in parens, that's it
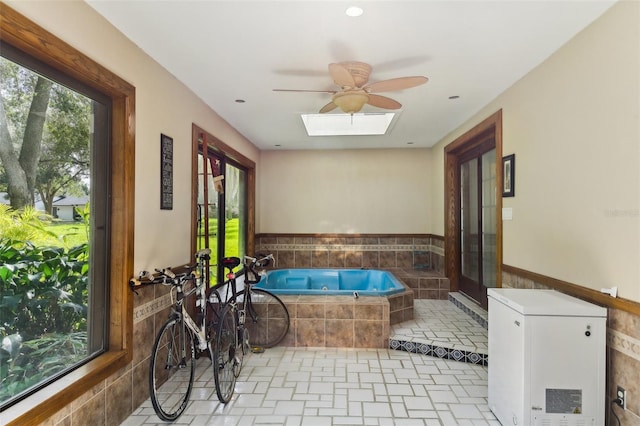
(198, 330)
(177, 282)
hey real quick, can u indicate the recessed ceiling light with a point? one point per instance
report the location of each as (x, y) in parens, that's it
(240, 101)
(354, 11)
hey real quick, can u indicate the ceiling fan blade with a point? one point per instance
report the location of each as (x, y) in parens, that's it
(395, 84)
(341, 75)
(383, 102)
(328, 107)
(333, 92)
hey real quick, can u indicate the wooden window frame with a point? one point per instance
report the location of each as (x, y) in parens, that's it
(35, 41)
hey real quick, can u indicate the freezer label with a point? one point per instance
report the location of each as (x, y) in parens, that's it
(563, 401)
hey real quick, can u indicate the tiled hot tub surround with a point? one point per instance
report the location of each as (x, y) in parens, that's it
(337, 321)
(424, 251)
(345, 321)
(416, 260)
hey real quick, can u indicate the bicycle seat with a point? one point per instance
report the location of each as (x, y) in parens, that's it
(230, 262)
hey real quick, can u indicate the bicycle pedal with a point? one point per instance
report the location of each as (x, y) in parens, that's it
(257, 349)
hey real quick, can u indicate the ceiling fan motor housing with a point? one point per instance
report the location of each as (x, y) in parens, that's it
(359, 70)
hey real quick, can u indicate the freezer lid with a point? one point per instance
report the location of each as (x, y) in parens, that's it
(544, 302)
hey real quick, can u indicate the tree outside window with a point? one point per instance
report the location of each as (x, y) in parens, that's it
(49, 282)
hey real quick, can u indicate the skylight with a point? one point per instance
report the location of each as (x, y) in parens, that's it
(365, 124)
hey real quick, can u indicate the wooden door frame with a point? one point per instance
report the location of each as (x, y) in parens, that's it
(216, 145)
(491, 126)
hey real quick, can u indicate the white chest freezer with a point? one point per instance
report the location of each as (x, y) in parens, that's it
(546, 358)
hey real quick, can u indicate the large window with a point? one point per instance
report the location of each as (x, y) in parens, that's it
(67, 154)
(53, 242)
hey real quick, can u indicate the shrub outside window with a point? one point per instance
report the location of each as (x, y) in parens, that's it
(53, 157)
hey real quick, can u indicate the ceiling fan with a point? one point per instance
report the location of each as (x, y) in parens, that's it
(354, 93)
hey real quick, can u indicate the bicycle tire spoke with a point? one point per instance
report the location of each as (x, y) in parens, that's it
(225, 346)
(171, 373)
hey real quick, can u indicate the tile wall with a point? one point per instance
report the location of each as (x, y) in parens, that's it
(417, 260)
(623, 353)
(423, 251)
(337, 321)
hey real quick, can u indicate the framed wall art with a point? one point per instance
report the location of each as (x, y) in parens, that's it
(509, 175)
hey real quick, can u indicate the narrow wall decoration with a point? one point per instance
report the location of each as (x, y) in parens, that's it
(166, 172)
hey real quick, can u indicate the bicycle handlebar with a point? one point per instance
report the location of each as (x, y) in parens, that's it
(166, 276)
(250, 263)
(262, 262)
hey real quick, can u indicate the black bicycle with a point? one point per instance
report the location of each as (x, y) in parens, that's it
(252, 319)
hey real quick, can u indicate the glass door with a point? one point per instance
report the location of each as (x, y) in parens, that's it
(478, 225)
(221, 213)
(235, 218)
(208, 209)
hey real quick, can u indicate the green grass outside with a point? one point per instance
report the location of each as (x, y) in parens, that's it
(231, 244)
(72, 234)
(231, 238)
(69, 234)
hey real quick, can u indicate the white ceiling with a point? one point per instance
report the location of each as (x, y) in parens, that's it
(228, 50)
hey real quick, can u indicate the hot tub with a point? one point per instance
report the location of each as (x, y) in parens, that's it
(360, 282)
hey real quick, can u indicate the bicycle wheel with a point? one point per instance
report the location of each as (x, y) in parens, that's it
(267, 318)
(224, 354)
(242, 349)
(214, 309)
(172, 369)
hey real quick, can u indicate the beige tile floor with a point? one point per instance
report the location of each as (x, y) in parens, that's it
(329, 386)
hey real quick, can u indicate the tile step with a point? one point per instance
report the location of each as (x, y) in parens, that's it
(471, 307)
(441, 350)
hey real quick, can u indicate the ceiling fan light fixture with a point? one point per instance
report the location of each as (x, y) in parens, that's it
(350, 102)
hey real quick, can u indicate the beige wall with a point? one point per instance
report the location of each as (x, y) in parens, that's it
(344, 191)
(163, 105)
(574, 126)
(572, 123)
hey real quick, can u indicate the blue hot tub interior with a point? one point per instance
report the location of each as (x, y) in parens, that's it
(366, 282)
